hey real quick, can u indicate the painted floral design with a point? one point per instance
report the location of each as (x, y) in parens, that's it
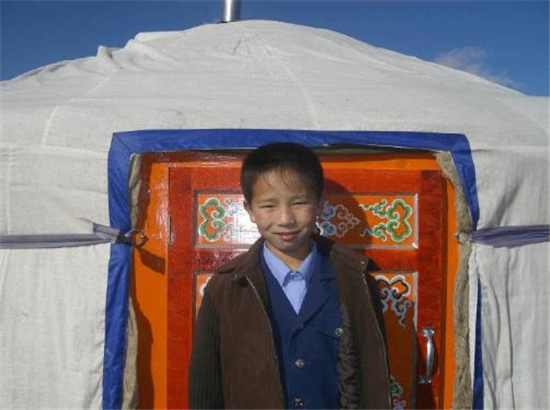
(218, 219)
(393, 294)
(396, 216)
(336, 220)
(213, 224)
(396, 391)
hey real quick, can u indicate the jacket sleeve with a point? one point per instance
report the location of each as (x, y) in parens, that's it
(347, 365)
(378, 308)
(205, 379)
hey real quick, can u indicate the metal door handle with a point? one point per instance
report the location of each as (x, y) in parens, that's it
(428, 334)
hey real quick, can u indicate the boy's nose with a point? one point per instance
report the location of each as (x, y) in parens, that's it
(286, 216)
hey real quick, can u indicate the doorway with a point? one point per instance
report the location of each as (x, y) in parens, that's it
(391, 207)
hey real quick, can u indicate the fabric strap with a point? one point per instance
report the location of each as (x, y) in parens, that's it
(101, 234)
(511, 236)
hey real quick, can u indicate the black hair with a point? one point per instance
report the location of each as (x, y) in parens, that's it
(283, 156)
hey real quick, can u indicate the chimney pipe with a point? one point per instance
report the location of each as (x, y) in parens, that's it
(231, 11)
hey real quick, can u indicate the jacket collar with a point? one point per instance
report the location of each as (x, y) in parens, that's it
(247, 263)
(247, 267)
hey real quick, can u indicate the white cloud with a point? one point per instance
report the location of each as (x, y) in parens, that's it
(473, 60)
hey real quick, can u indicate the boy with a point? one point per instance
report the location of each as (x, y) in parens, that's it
(294, 322)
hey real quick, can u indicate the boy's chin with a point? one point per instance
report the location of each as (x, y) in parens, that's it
(291, 250)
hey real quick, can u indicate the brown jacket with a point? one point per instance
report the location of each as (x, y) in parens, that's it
(234, 360)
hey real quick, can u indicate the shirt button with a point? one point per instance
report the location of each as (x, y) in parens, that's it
(300, 363)
(301, 326)
(298, 402)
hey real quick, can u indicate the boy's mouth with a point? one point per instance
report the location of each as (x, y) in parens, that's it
(287, 236)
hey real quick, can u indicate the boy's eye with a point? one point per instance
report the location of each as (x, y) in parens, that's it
(266, 206)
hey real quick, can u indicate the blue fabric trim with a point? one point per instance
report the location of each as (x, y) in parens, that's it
(478, 358)
(116, 313)
(126, 144)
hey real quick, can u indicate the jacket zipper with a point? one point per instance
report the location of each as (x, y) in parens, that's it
(379, 333)
(271, 338)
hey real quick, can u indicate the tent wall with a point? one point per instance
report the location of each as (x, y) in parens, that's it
(514, 319)
(52, 315)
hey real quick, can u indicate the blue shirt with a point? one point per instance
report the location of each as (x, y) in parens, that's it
(293, 283)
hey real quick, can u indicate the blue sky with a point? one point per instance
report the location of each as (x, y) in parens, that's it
(505, 41)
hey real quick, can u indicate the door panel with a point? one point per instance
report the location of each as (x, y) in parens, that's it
(395, 217)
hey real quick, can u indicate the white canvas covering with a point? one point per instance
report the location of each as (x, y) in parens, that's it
(53, 321)
(515, 325)
(57, 123)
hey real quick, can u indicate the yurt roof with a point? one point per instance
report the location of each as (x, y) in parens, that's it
(58, 121)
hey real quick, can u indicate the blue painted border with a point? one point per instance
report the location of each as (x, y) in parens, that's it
(126, 144)
(477, 402)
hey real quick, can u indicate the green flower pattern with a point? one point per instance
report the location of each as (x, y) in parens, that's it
(217, 219)
(396, 392)
(213, 225)
(396, 214)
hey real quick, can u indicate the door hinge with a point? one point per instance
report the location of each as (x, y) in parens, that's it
(170, 232)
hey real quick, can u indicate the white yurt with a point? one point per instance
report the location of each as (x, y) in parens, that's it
(70, 130)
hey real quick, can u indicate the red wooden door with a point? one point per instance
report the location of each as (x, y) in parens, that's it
(393, 216)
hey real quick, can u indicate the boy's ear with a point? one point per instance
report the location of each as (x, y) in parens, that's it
(320, 206)
(249, 211)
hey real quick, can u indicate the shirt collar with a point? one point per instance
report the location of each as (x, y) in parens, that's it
(281, 271)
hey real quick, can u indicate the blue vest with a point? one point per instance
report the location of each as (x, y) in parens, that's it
(307, 343)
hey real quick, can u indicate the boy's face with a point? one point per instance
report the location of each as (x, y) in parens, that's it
(284, 209)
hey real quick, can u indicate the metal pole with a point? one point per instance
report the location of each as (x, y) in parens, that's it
(231, 11)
